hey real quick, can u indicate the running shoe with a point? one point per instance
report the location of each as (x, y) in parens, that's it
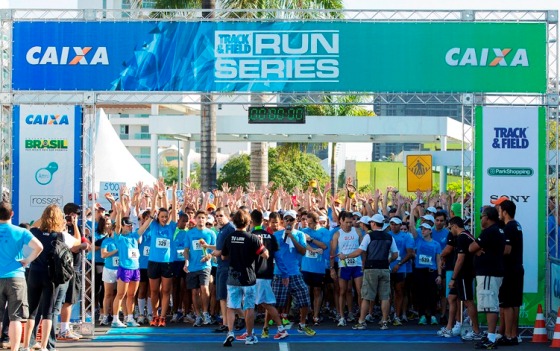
(316, 321)
(341, 322)
(369, 318)
(206, 319)
(485, 345)
(351, 317)
(251, 340)
(229, 339)
(116, 324)
(422, 321)
(397, 321)
(132, 323)
(104, 321)
(281, 334)
(433, 320)
(142, 320)
(264, 333)
(360, 326)
(198, 322)
(384, 325)
(304, 329)
(161, 322)
(154, 322)
(472, 336)
(221, 329)
(241, 337)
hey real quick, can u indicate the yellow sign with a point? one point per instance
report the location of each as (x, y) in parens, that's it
(418, 173)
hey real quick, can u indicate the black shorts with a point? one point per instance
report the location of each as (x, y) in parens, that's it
(328, 279)
(213, 271)
(74, 286)
(511, 291)
(397, 278)
(314, 280)
(144, 275)
(463, 289)
(157, 270)
(178, 271)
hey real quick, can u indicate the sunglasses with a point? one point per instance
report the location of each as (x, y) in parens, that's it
(290, 220)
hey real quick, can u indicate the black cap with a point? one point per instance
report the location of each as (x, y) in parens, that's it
(126, 221)
(71, 208)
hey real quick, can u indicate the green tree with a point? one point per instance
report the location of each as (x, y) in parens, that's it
(291, 169)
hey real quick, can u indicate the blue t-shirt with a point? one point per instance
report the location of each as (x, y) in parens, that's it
(144, 248)
(12, 240)
(426, 254)
(404, 241)
(287, 258)
(224, 232)
(196, 252)
(98, 259)
(178, 244)
(109, 244)
(129, 255)
(160, 243)
(440, 236)
(314, 262)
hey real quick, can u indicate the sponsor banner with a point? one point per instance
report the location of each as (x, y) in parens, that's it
(555, 288)
(47, 158)
(280, 56)
(510, 161)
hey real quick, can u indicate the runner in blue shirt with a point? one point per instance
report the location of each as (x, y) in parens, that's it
(313, 262)
(427, 274)
(198, 267)
(109, 253)
(128, 272)
(13, 288)
(162, 227)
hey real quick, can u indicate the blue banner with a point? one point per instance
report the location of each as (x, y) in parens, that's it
(280, 56)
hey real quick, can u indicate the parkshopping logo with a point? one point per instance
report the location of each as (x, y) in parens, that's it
(487, 57)
(66, 55)
(47, 119)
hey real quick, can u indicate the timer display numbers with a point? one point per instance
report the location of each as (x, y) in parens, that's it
(277, 115)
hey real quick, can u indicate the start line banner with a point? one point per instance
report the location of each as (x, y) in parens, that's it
(280, 56)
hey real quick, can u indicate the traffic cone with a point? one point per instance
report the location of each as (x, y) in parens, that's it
(539, 333)
(556, 336)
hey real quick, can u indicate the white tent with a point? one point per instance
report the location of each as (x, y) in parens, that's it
(113, 161)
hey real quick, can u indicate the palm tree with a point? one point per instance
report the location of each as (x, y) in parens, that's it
(277, 9)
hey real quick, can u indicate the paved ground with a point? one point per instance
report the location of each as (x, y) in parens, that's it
(329, 337)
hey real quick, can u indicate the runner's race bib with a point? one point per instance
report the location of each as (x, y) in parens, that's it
(162, 243)
(133, 254)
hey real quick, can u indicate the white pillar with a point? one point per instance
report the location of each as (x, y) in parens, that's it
(443, 169)
(154, 147)
(186, 160)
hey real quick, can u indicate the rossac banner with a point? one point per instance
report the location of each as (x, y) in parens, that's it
(47, 158)
(280, 56)
(510, 156)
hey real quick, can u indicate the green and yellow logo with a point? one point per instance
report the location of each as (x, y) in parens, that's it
(46, 144)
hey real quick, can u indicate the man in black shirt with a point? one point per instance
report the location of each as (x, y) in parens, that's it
(511, 292)
(265, 272)
(488, 249)
(462, 277)
(242, 249)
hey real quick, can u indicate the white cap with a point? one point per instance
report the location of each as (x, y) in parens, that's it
(431, 209)
(322, 218)
(266, 215)
(290, 213)
(210, 219)
(426, 225)
(429, 218)
(395, 220)
(378, 218)
(365, 220)
(356, 214)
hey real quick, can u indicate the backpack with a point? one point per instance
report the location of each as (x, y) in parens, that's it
(61, 265)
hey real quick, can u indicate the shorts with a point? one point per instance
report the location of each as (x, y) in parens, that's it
(347, 273)
(213, 272)
(177, 268)
(128, 275)
(296, 287)
(314, 280)
(14, 292)
(221, 284)
(511, 291)
(74, 288)
(198, 278)
(144, 275)
(463, 289)
(487, 292)
(398, 278)
(328, 278)
(264, 292)
(157, 270)
(376, 281)
(109, 275)
(239, 296)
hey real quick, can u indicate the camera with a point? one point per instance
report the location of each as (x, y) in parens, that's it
(288, 227)
(68, 218)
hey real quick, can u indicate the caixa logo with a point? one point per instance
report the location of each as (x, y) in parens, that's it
(66, 55)
(487, 57)
(47, 119)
